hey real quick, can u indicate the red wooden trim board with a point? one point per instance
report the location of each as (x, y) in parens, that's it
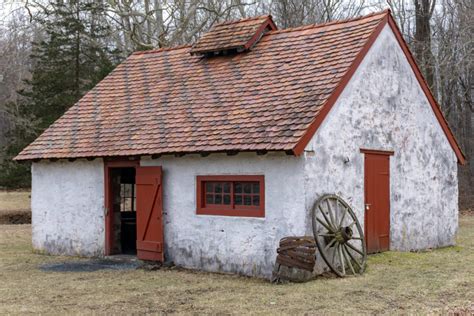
(242, 210)
(304, 140)
(109, 223)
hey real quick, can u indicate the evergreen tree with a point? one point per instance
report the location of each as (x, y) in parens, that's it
(69, 61)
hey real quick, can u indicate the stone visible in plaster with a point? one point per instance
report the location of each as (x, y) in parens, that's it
(383, 107)
(67, 201)
(241, 245)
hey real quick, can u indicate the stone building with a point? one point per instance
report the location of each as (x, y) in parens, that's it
(207, 155)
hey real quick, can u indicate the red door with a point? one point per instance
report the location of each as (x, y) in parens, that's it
(377, 200)
(149, 213)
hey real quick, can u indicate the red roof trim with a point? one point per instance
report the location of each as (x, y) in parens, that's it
(268, 23)
(304, 140)
(313, 127)
(424, 86)
(244, 44)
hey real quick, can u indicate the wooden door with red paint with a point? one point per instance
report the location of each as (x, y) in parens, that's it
(377, 201)
(149, 213)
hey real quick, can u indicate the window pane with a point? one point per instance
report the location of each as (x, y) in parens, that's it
(256, 187)
(209, 198)
(247, 188)
(247, 200)
(238, 200)
(237, 187)
(127, 197)
(224, 195)
(226, 187)
(227, 199)
(256, 200)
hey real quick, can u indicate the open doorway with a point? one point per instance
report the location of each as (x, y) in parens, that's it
(133, 210)
(124, 211)
(121, 218)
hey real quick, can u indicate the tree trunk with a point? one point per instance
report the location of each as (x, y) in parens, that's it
(77, 56)
(423, 13)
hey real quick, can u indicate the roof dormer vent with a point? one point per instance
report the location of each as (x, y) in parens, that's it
(233, 37)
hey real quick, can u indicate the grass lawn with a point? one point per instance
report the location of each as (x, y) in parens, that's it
(436, 281)
(14, 200)
(15, 207)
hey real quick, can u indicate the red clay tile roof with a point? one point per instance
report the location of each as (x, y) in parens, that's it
(169, 101)
(271, 98)
(240, 35)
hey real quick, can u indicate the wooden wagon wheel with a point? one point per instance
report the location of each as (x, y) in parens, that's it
(339, 236)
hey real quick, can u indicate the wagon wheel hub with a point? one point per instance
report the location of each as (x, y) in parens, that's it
(343, 234)
(339, 236)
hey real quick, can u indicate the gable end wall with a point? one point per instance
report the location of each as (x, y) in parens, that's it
(383, 107)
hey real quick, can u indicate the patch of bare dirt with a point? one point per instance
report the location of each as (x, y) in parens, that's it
(15, 217)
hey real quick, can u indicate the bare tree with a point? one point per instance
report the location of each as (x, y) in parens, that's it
(149, 24)
(16, 35)
(422, 39)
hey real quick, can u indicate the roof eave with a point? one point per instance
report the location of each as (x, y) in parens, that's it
(429, 95)
(298, 149)
(33, 158)
(388, 19)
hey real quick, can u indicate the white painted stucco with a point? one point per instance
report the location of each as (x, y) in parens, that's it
(223, 243)
(67, 202)
(383, 107)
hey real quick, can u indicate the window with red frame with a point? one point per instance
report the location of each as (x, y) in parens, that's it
(231, 195)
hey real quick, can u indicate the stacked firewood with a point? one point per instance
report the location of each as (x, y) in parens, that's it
(297, 252)
(295, 260)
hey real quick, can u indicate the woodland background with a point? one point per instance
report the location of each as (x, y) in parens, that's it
(53, 52)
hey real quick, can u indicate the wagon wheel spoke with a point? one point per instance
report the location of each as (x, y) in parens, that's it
(334, 232)
(344, 252)
(355, 249)
(353, 259)
(351, 224)
(343, 216)
(330, 244)
(324, 224)
(334, 255)
(341, 259)
(326, 235)
(331, 215)
(330, 224)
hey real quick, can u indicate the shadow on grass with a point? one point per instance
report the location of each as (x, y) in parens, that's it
(89, 266)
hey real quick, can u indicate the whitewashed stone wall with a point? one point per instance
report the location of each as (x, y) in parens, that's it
(67, 202)
(383, 107)
(242, 245)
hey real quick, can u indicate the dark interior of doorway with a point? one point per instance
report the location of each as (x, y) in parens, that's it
(124, 211)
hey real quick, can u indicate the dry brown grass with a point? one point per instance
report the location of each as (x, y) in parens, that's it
(430, 282)
(14, 200)
(15, 207)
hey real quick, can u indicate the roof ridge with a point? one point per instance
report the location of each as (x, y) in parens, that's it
(292, 29)
(318, 25)
(159, 50)
(244, 20)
